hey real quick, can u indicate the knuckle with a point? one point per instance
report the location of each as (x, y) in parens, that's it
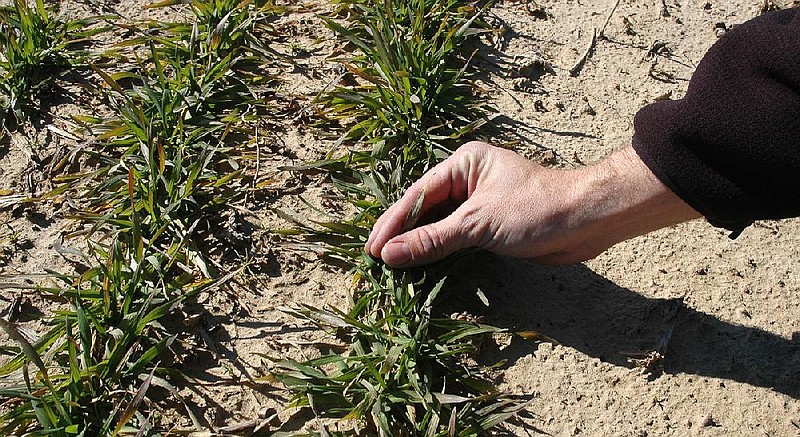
(429, 243)
(471, 153)
(473, 147)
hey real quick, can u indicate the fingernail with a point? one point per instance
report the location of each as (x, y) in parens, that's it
(397, 254)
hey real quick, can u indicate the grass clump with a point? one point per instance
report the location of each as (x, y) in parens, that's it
(178, 139)
(163, 165)
(406, 372)
(96, 363)
(36, 47)
(409, 100)
(411, 97)
(167, 146)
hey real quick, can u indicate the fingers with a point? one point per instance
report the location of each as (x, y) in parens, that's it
(445, 181)
(451, 180)
(429, 243)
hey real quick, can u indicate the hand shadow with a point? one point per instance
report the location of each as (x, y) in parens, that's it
(585, 311)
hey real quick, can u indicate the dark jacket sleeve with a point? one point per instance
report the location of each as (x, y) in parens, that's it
(731, 147)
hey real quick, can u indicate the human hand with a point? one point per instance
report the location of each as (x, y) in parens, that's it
(499, 201)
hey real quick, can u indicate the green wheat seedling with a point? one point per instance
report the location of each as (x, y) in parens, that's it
(36, 47)
(177, 121)
(412, 98)
(94, 367)
(406, 371)
(173, 133)
(170, 157)
(239, 27)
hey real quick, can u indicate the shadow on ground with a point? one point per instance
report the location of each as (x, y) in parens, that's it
(585, 311)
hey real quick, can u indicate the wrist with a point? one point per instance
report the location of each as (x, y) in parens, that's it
(620, 198)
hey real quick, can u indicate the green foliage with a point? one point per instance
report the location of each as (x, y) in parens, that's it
(412, 98)
(167, 147)
(406, 371)
(170, 140)
(35, 47)
(238, 27)
(93, 360)
(166, 161)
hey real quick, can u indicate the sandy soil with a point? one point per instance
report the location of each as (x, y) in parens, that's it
(680, 332)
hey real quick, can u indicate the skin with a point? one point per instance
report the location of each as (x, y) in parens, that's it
(491, 198)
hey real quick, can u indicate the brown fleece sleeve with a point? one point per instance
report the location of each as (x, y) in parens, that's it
(731, 147)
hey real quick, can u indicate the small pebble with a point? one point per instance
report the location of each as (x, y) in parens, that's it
(706, 421)
(720, 29)
(742, 312)
(587, 109)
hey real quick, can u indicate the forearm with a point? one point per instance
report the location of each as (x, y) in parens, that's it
(620, 198)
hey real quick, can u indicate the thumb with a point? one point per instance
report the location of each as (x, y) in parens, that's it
(428, 243)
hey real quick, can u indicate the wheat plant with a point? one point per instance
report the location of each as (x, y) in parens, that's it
(37, 45)
(165, 160)
(407, 103)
